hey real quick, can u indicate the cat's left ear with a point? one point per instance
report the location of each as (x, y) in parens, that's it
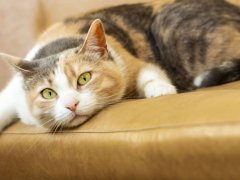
(23, 66)
(95, 41)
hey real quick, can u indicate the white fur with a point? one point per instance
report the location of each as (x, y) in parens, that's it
(88, 103)
(13, 104)
(198, 80)
(12, 99)
(153, 82)
(61, 80)
(7, 103)
(23, 111)
(31, 54)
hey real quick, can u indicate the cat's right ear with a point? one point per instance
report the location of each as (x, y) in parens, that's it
(95, 41)
(23, 66)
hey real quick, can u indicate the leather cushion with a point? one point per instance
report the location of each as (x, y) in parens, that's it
(182, 136)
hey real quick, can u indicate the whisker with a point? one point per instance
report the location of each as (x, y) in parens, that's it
(62, 116)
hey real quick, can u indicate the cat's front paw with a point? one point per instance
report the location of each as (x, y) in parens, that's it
(158, 88)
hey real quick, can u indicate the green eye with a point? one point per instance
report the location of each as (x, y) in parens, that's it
(84, 78)
(48, 93)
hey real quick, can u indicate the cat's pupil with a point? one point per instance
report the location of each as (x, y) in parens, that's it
(50, 93)
(84, 78)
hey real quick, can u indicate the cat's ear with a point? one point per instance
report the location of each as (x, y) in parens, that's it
(23, 66)
(95, 41)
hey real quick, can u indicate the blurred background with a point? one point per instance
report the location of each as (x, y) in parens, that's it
(22, 21)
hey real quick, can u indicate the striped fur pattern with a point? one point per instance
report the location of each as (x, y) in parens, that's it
(131, 51)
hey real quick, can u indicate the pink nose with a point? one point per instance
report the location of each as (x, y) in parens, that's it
(73, 106)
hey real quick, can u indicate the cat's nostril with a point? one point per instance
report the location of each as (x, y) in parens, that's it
(76, 104)
(73, 107)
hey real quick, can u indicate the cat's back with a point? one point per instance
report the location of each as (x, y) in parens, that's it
(151, 31)
(128, 24)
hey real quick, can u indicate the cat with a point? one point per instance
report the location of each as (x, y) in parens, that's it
(145, 50)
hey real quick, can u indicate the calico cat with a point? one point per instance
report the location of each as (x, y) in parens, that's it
(85, 63)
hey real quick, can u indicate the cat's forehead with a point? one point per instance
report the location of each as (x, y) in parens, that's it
(42, 69)
(63, 66)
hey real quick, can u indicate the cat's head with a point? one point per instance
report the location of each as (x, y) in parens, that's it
(75, 83)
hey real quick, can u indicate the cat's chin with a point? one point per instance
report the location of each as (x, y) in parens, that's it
(78, 120)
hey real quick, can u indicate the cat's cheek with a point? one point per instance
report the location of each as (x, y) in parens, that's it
(88, 103)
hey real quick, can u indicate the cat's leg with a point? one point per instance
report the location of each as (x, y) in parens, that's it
(8, 98)
(153, 81)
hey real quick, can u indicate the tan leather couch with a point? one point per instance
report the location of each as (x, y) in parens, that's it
(193, 135)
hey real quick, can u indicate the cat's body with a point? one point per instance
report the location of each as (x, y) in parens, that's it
(150, 50)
